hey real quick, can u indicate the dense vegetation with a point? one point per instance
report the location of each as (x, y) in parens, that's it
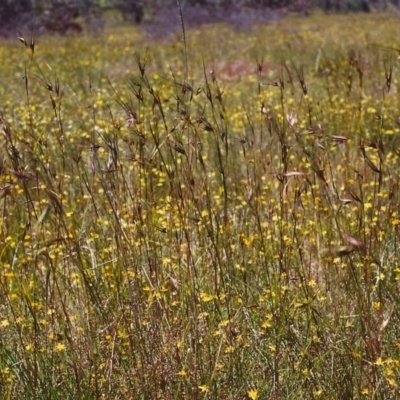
(64, 16)
(179, 222)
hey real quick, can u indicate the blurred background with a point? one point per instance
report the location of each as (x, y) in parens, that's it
(160, 16)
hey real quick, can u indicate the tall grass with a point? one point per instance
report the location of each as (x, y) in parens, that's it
(219, 221)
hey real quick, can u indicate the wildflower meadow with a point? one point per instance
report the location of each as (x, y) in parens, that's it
(209, 215)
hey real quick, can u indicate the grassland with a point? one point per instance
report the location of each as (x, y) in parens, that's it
(215, 222)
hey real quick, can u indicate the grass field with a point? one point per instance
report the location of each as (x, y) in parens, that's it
(212, 221)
